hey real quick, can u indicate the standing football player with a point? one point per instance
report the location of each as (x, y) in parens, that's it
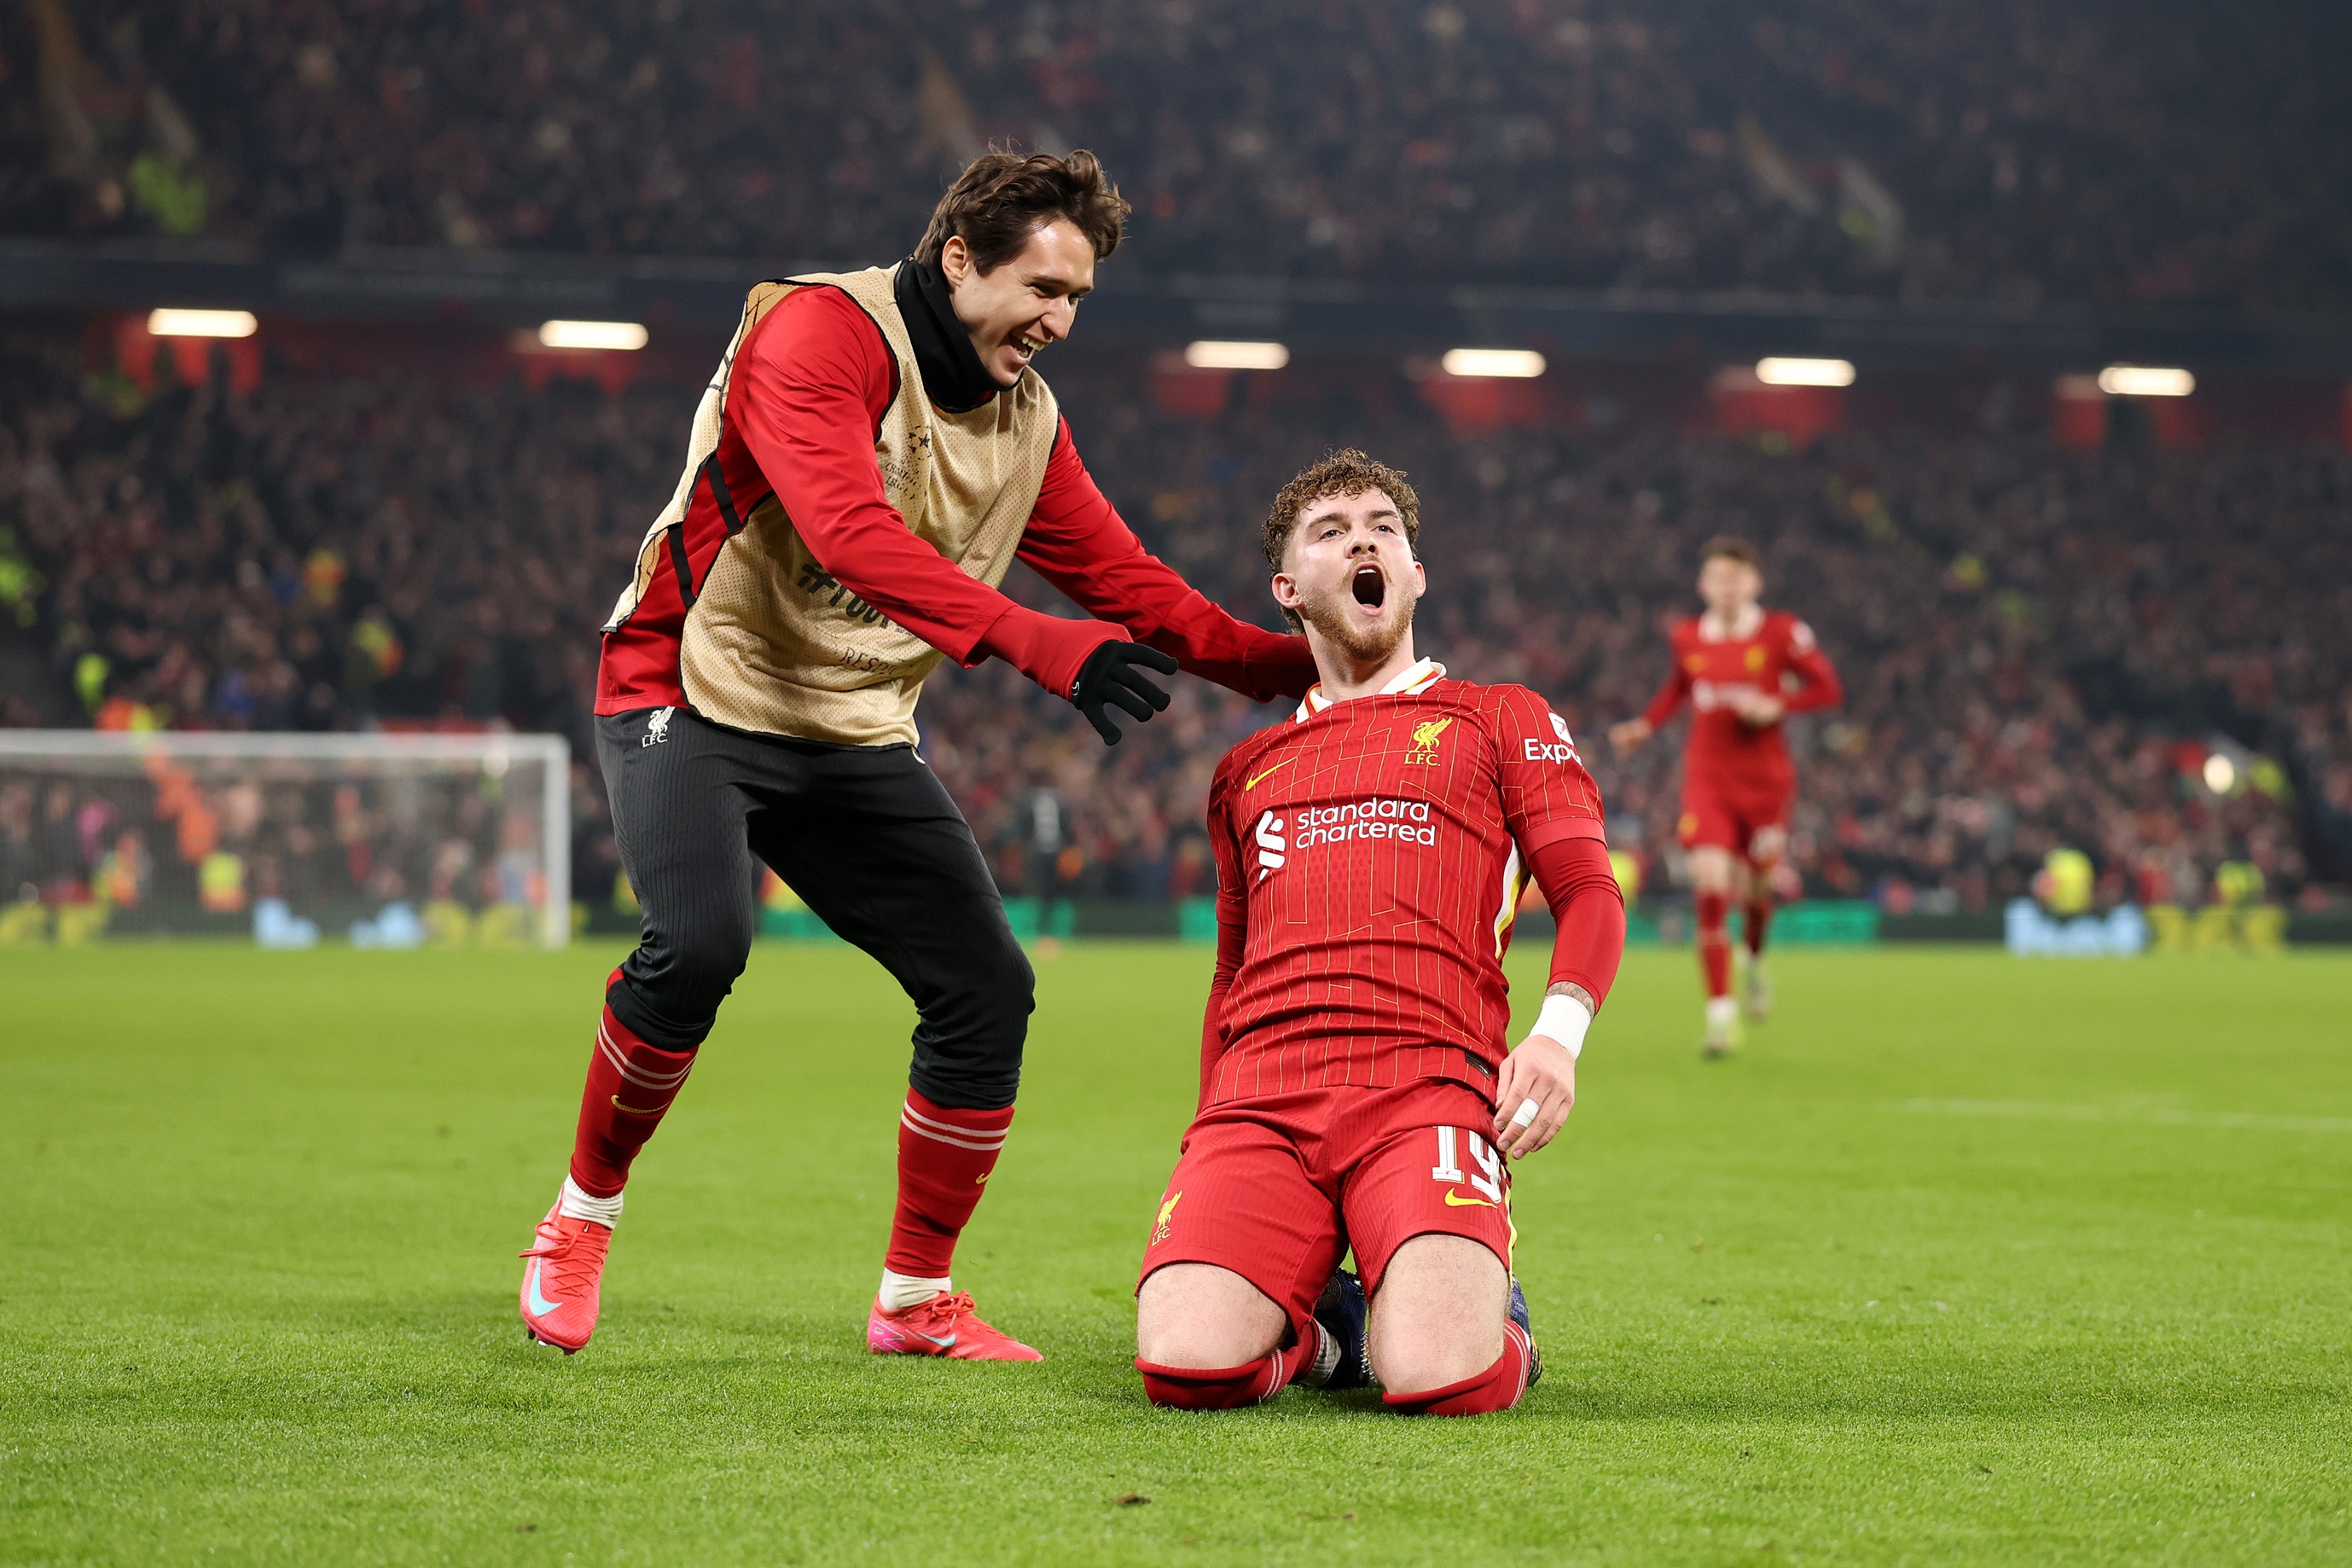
(871, 456)
(1357, 1085)
(1742, 668)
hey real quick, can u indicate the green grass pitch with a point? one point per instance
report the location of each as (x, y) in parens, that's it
(1965, 1260)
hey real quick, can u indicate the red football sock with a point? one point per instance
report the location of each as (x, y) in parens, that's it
(1497, 1388)
(630, 1087)
(1715, 943)
(1759, 921)
(1222, 1388)
(944, 1159)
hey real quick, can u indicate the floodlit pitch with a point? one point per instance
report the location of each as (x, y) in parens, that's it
(1966, 1259)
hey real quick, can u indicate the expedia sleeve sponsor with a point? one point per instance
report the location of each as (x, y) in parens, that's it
(1562, 749)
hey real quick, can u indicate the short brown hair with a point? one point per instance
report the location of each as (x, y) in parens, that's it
(1343, 473)
(1731, 547)
(1002, 198)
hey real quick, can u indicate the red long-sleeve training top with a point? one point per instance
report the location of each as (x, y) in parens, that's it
(811, 382)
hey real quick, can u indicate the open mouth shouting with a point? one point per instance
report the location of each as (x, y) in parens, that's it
(1370, 586)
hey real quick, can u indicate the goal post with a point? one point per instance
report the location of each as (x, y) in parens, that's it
(383, 840)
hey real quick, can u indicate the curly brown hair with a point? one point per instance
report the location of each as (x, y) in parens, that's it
(1002, 198)
(1341, 473)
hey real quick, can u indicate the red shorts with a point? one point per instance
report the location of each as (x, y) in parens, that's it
(1752, 822)
(1277, 1187)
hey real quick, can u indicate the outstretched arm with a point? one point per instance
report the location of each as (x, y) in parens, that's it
(805, 395)
(1077, 542)
(1631, 735)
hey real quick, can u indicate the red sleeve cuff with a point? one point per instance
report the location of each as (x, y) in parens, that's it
(1558, 830)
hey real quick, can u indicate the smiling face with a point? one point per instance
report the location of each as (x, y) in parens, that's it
(1729, 585)
(1349, 574)
(1015, 311)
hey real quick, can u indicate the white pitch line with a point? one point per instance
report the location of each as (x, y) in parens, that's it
(2044, 1110)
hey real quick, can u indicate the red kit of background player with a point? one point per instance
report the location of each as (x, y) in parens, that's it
(1742, 668)
(1738, 781)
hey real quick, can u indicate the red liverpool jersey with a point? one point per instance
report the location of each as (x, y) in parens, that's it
(1709, 671)
(1372, 853)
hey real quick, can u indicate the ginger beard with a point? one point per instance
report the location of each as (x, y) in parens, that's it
(1356, 576)
(1366, 615)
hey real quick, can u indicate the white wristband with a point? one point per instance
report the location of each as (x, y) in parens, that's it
(1565, 1019)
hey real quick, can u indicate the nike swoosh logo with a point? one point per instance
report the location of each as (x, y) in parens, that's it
(905, 1334)
(633, 1110)
(540, 1304)
(1251, 783)
(1455, 1200)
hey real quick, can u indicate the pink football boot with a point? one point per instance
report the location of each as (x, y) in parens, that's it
(944, 1325)
(559, 1281)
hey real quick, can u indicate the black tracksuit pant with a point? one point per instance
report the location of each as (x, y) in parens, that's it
(866, 835)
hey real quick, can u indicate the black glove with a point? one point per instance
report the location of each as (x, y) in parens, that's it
(1114, 673)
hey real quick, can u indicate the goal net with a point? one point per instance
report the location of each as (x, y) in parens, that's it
(383, 840)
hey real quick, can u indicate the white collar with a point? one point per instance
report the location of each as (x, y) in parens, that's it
(1415, 677)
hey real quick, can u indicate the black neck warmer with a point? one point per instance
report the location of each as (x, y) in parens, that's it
(953, 378)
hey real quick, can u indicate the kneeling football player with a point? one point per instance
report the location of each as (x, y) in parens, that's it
(1356, 1084)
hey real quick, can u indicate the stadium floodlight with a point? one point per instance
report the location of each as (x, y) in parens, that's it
(173, 324)
(1517, 364)
(2146, 381)
(625, 336)
(394, 840)
(1781, 372)
(1211, 354)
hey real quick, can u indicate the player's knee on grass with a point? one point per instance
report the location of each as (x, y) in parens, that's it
(1437, 1318)
(1201, 1316)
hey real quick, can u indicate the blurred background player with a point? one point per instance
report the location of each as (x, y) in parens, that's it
(1354, 1087)
(870, 458)
(1742, 668)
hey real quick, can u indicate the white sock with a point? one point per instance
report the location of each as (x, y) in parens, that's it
(901, 1291)
(1722, 1009)
(577, 1205)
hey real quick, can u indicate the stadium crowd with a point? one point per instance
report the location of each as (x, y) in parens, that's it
(2039, 645)
(2003, 152)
